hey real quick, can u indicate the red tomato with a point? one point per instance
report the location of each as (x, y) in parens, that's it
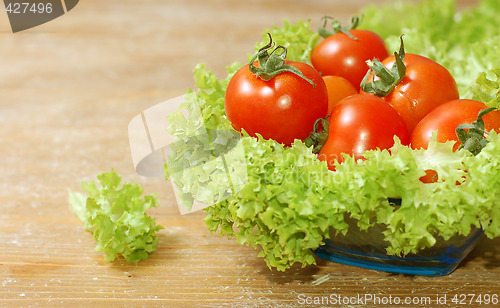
(358, 123)
(283, 108)
(445, 119)
(429, 177)
(425, 86)
(338, 89)
(343, 56)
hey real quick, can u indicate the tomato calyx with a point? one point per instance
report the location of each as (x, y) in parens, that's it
(387, 79)
(471, 136)
(272, 64)
(337, 27)
(319, 135)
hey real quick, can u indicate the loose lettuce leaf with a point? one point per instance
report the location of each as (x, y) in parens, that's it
(117, 217)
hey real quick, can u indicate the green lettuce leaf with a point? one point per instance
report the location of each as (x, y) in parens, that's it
(116, 215)
(299, 39)
(284, 209)
(487, 87)
(200, 129)
(465, 42)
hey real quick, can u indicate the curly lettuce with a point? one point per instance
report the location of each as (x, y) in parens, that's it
(487, 88)
(291, 201)
(465, 42)
(299, 39)
(284, 208)
(116, 216)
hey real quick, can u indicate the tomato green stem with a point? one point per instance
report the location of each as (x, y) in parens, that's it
(318, 137)
(337, 27)
(387, 79)
(471, 136)
(272, 64)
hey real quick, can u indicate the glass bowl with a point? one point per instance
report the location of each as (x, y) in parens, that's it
(366, 249)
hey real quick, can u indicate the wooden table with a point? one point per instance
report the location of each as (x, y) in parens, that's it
(68, 89)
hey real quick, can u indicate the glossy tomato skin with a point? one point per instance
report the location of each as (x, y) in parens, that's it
(358, 123)
(283, 108)
(343, 56)
(445, 118)
(427, 84)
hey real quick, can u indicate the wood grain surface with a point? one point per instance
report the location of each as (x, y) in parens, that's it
(68, 89)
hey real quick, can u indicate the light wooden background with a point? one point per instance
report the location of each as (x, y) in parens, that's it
(68, 89)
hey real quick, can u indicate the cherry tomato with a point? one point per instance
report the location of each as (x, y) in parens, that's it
(425, 86)
(445, 118)
(338, 89)
(358, 123)
(283, 108)
(343, 56)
